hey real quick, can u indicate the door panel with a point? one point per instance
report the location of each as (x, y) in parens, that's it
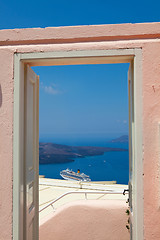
(31, 154)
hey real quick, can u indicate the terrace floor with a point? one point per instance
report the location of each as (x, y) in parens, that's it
(50, 189)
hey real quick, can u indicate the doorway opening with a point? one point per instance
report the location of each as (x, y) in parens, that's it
(28, 193)
(83, 118)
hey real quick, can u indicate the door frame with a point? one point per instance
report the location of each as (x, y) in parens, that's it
(133, 56)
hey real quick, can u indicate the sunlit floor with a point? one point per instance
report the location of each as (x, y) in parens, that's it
(51, 189)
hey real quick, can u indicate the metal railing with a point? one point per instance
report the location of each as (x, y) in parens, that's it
(80, 192)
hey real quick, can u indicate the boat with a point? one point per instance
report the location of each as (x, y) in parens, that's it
(71, 175)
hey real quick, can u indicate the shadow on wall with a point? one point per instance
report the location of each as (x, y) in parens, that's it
(0, 96)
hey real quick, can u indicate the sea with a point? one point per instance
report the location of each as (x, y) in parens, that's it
(112, 166)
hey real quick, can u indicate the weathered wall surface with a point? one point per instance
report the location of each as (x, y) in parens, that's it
(151, 139)
(145, 36)
(6, 142)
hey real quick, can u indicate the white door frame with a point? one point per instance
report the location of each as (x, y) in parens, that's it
(74, 58)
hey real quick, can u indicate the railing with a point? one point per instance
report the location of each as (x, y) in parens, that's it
(80, 192)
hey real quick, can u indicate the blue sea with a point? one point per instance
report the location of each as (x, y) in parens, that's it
(107, 167)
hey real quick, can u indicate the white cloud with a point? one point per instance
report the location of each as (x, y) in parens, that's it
(51, 90)
(124, 121)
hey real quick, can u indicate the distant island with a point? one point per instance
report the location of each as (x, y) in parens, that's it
(57, 153)
(122, 139)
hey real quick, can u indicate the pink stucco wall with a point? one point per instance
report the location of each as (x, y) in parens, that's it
(89, 220)
(6, 142)
(145, 36)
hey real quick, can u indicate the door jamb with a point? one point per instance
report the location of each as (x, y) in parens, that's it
(70, 58)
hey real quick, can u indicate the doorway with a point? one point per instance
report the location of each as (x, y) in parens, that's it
(23, 194)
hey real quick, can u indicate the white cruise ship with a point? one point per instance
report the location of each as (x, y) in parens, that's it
(71, 175)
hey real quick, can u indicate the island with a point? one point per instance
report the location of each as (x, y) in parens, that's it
(57, 153)
(122, 139)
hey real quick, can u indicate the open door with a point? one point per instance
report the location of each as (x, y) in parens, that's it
(31, 155)
(131, 145)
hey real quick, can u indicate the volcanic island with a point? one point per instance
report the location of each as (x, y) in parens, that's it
(57, 153)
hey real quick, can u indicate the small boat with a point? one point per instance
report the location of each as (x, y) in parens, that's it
(71, 175)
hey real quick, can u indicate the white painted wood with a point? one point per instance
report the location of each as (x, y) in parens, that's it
(128, 53)
(31, 154)
(138, 147)
(131, 147)
(18, 150)
(135, 147)
(79, 57)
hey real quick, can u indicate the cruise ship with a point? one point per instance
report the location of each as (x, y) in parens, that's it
(71, 175)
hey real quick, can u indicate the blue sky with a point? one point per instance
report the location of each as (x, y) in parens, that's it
(83, 100)
(38, 13)
(80, 99)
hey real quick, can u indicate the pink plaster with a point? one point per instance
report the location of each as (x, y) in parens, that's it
(6, 142)
(89, 220)
(80, 33)
(145, 36)
(151, 117)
